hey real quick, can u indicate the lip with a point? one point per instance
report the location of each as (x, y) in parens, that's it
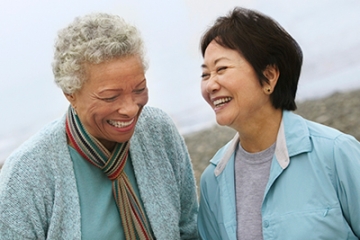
(223, 105)
(217, 109)
(125, 129)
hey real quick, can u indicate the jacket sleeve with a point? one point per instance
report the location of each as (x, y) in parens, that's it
(21, 207)
(189, 200)
(347, 167)
(186, 186)
(208, 227)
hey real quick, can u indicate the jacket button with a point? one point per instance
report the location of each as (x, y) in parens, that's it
(266, 224)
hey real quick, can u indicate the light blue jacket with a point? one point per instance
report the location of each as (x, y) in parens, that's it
(39, 196)
(313, 190)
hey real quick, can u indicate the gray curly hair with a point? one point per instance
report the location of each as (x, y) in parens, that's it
(93, 38)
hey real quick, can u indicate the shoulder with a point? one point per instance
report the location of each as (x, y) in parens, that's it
(35, 154)
(156, 136)
(42, 142)
(330, 137)
(153, 114)
(318, 130)
(42, 169)
(298, 128)
(29, 168)
(295, 124)
(156, 132)
(155, 123)
(327, 142)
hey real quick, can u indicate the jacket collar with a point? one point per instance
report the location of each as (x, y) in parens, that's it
(230, 148)
(293, 138)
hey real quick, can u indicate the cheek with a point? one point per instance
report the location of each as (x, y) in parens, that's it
(86, 109)
(142, 98)
(205, 94)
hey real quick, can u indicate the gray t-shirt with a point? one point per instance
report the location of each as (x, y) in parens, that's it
(251, 176)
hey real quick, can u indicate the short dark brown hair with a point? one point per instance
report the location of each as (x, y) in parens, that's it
(262, 42)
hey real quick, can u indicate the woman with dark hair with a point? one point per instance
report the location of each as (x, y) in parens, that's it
(281, 176)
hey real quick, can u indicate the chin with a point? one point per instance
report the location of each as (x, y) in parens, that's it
(126, 137)
(221, 122)
(220, 118)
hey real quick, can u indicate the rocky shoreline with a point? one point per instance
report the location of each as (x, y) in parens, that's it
(339, 110)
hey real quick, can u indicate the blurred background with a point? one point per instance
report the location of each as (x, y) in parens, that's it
(327, 31)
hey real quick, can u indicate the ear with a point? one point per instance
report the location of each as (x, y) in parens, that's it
(71, 98)
(272, 73)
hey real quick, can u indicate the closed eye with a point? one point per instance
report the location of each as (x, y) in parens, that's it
(221, 69)
(205, 76)
(138, 91)
(110, 99)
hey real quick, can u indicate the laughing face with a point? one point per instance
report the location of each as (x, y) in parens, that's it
(231, 87)
(111, 99)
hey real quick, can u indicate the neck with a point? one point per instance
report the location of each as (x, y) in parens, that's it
(108, 144)
(260, 132)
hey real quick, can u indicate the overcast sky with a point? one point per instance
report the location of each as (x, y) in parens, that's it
(327, 31)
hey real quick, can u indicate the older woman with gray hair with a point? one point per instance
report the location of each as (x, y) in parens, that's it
(111, 168)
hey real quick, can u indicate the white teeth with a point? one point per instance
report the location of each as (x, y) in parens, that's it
(120, 124)
(221, 101)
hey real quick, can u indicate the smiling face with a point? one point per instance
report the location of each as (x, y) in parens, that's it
(111, 99)
(231, 87)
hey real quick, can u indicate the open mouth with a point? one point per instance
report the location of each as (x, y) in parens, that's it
(120, 124)
(220, 102)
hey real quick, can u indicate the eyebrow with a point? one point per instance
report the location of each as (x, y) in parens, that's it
(215, 62)
(119, 90)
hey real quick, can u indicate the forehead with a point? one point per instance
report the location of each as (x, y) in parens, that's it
(215, 53)
(115, 72)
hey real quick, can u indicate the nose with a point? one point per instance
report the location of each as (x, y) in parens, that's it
(212, 84)
(127, 107)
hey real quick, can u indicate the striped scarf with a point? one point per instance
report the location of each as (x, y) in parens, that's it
(112, 164)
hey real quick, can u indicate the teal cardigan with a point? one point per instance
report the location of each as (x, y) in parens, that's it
(39, 197)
